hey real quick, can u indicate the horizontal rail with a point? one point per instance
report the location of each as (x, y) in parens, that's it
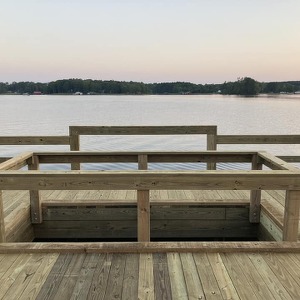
(149, 180)
(153, 247)
(258, 139)
(274, 162)
(142, 130)
(152, 157)
(289, 158)
(17, 162)
(34, 140)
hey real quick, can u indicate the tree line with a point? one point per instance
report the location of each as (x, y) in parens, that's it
(243, 86)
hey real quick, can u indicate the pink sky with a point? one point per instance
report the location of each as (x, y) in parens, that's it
(150, 41)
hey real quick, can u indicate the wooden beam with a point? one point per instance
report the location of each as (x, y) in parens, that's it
(274, 162)
(143, 162)
(212, 145)
(141, 130)
(35, 197)
(290, 158)
(291, 216)
(2, 225)
(34, 140)
(152, 247)
(255, 195)
(150, 180)
(258, 139)
(143, 210)
(74, 145)
(16, 162)
(153, 157)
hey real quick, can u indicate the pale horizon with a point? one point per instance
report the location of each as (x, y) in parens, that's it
(158, 41)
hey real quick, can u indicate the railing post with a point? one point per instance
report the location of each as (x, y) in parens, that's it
(2, 225)
(143, 205)
(291, 216)
(74, 145)
(255, 195)
(35, 197)
(212, 145)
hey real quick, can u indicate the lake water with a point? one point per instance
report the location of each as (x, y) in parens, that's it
(52, 115)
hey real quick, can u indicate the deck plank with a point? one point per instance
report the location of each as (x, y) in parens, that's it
(270, 279)
(116, 276)
(225, 283)
(8, 279)
(146, 280)
(99, 281)
(131, 277)
(151, 276)
(37, 280)
(162, 283)
(53, 281)
(253, 276)
(178, 285)
(83, 282)
(278, 266)
(237, 275)
(192, 280)
(66, 287)
(207, 277)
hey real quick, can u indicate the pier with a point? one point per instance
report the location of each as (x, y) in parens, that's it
(149, 234)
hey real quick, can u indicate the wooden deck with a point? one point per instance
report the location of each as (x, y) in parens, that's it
(19, 227)
(230, 274)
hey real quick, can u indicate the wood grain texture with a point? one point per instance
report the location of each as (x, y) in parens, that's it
(2, 224)
(258, 139)
(141, 130)
(150, 180)
(34, 140)
(291, 216)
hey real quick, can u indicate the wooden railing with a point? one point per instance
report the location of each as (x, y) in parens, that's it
(77, 131)
(283, 176)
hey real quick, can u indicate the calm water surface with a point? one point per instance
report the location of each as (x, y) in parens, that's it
(52, 115)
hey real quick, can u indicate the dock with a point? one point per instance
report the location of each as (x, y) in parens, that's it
(147, 234)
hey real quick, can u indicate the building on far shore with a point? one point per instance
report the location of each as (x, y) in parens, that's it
(37, 93)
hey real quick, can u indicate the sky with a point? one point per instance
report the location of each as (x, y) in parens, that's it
(200, 41)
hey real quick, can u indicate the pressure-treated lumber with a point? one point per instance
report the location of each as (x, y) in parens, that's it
(291, 216)
(2, 225)
(255, 195)
(141, 130)
(275, 163)
(35, 197)
(16, 162)
(34, 140)
(151, 247)
(152, 157)
(150, 180)
(258, 139)
(143, 210)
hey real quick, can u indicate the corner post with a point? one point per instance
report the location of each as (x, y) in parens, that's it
(35, 196)
(2, 225)
(74, 145)
(143, 205)
(291, 216)
(212, 145)
(255, 195)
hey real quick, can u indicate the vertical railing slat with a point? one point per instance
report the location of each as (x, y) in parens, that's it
(143, 205)
(74, 145)
(2, 225)
(255, 195)
(212, 145)
(291, 216)
(35, 196)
